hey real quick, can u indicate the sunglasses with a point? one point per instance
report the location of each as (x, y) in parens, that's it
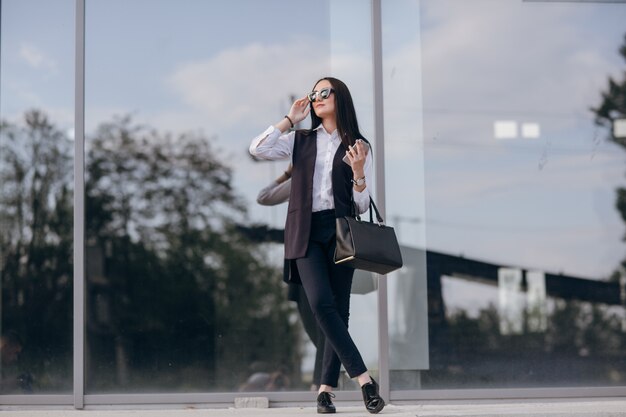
(323, 94)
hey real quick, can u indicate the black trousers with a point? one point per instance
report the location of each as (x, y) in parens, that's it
(297, 294)
(327, 287)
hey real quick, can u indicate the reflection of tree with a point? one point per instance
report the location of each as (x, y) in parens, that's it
(612, 108)
(583, 343)
(182, 286)
(177, 298)
(36, 246)
(613, 104)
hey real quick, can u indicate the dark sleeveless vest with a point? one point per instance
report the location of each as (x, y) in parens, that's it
(298, 223)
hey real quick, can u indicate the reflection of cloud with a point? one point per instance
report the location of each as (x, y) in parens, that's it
(529, 60)
(529, 63)
(35, 58)
(477, 67)
(238, 92)
(248, 84)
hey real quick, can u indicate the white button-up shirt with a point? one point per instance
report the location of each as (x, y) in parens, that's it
(274, 146)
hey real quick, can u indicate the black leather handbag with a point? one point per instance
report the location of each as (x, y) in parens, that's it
(367, 245)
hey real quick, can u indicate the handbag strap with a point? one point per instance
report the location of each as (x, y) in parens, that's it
(378, 216)
(353, 210)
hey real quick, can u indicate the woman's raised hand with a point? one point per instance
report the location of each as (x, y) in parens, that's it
(299, 110)
(356, 155)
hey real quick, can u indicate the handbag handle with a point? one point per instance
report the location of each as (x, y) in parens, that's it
(379, 218)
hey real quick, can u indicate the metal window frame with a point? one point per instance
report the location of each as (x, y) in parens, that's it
(79, 211)
(379, 134)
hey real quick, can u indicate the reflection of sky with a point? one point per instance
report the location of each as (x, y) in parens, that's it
(224, 68)
(229, 69)
(546, 203)
(37, 59)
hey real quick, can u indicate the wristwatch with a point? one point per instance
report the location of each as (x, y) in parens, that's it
(359, 181)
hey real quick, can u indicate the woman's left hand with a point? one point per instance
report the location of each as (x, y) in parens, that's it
(356, 155)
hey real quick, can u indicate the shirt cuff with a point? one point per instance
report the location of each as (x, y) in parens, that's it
(270, 135)
(362, 199)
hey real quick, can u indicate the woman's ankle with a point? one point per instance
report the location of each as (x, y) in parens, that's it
(364, 378)
(325, 388)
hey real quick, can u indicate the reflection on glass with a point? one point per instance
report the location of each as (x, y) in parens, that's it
(184, 268)
(404, 162)
(36, 253)
(36, 198)
(178, 297)
(524, 246)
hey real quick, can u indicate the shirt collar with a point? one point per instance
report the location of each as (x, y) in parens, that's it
(333, 135)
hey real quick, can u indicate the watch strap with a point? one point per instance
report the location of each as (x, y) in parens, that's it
(358, 181)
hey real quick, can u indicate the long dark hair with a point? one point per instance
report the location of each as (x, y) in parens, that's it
(347, 125)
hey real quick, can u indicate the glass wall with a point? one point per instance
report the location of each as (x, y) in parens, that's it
(36, 196)
(184, 268)
(516, 126)
(504, 162)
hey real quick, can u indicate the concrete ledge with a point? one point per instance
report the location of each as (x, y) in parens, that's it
(561, 408)
(553, 409)
(252, 402)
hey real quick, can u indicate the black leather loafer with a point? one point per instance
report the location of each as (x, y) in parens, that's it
(373, 401)
(325, 403)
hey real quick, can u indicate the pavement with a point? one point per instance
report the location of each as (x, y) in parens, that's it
(557, 408)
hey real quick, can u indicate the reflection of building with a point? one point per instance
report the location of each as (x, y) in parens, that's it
(523, 304)
(543, 330)
(511, 306)
(566, 287)
(536, 306)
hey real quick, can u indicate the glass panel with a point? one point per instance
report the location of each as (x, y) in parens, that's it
(524, 184)
(184, 268)
(351, 61)
(404, 167)
(36, 198)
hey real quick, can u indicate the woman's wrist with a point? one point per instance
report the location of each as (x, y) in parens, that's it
(283, 177)
(283, 125)
(359, 188)
(358, 174)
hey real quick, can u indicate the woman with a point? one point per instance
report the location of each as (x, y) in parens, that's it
(331, 167)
